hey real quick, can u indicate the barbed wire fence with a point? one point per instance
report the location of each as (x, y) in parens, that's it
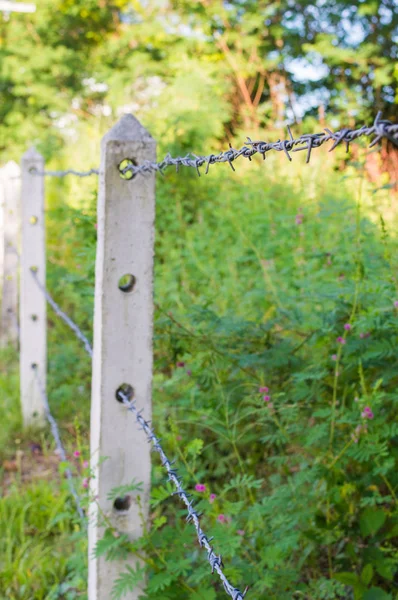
(380, 129)
(215, 560)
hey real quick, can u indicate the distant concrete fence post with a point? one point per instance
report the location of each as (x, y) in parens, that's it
(33, 323)
(11, 185)
(122, 353)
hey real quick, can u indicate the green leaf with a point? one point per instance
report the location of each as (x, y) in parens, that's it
(347, 578)
(376, 593)
(127, 582)
(371, 520)
(123, 490)
(367, 574)
(352, 580)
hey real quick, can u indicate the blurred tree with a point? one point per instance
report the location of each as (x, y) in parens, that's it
(241, 63)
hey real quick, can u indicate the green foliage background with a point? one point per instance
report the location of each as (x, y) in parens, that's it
(256, 273)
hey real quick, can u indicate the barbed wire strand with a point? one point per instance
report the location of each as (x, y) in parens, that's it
(60, 448)
(34, 171)
(381, 128)
(193, 516)
(77, 331)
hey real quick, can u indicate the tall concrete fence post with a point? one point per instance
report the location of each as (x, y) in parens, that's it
(33, 319)
(11, 183)
(122, 359)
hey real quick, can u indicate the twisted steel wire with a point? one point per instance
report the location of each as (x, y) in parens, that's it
(76, 330)
(193, 516)
(60, 448)
(34, 171)
(381, 128)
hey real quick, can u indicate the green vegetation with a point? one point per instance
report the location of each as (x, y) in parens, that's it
(279, 277)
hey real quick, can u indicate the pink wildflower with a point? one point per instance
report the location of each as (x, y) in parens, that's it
(85, 483)
(334, 357)
(263, 389)
(85, 464)
(267, 398)
(180, 364)
(367, 413)
(76, 453)
(396, 303)
(200, 487)
(340, 340)
(299, 219)
(212, 498)
(240, 532)
(270, 405)
(347, 327)
(221, 518)
(96, 225)
(189, 372)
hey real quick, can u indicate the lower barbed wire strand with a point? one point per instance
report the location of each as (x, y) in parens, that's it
(77, 331)
(60, 448)
(380, 128)
(214, 560)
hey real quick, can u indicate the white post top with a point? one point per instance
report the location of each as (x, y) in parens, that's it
(127, 129)
(10, 170)
(32, 155)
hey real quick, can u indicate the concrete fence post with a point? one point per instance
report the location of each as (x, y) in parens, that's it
(11, 175)
(122, 354)
(33, 322)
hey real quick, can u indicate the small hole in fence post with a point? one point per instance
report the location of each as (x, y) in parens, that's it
(127, 162)
(34, 365)
(122, 504)
(34, 317)
(33, 220)
(126, 282)
(124, 391)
